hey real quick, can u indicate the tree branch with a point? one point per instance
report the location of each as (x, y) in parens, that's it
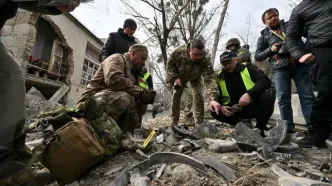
(147, 2)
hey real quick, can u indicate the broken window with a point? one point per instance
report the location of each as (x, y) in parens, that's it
(56, 57)
(45, 36)
(89, 69)
(91, 63)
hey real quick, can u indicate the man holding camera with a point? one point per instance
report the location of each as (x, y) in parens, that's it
(245, 93)
(117, 83)
(284, 68)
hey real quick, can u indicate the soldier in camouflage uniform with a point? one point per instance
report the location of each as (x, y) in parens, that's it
(117, 82)
(189, 63)
(242, 54)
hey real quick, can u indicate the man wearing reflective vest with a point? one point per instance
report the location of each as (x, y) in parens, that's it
(146, 80)
(145, 83)
(247, 86)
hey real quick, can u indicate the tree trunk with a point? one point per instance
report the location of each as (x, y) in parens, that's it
(217, 35)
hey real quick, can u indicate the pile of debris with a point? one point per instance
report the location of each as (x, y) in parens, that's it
(35, 103)
(212, 154)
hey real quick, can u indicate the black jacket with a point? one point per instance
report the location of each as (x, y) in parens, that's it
(236, 87)
(8, 9)
(117, 42)
(316, 17)
(277, 60)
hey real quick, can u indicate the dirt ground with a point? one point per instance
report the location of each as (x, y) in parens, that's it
(250, 171)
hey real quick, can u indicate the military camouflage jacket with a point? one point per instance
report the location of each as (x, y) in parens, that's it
(114, 73)
(180, 66)
(243, 55)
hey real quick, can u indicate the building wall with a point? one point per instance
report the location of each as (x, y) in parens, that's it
(19, 35)
(77, 39)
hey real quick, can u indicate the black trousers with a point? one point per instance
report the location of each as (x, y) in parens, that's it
(321, 75)
(261, 108)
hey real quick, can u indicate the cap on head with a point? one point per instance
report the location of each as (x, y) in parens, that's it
(138, 47)
(268, 11)
(129, 22)
(227, 56)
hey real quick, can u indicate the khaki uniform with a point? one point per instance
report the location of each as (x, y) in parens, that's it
(181, 66)
(115, 83)
(243, 55)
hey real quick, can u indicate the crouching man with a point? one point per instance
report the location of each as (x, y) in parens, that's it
(245, 87)
(117, 83)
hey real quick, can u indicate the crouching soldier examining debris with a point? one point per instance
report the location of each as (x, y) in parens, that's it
(244, 93)
(189, 63)
(117, 83)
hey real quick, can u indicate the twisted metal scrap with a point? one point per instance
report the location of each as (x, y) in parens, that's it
(275, 137)
(159, 158)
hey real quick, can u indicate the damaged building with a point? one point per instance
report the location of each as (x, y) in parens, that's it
(58, 54)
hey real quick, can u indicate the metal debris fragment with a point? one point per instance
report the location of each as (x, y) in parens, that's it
(269, 144)
(228, 173)
(159, 158)
(221, 146)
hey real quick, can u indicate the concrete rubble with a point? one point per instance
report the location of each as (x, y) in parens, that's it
(211, 154)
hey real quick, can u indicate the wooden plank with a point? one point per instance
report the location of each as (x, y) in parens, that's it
(59, 94)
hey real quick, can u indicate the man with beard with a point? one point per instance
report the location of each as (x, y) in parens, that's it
(316, 18)
(189, 63)
(117, 83)
(284, 68)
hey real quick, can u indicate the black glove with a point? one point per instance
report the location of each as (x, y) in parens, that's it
(148, 96)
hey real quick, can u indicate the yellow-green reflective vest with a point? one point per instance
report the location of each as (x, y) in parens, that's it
(144, 84)
(248, 83)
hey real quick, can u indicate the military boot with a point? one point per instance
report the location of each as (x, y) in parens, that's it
(31, 177)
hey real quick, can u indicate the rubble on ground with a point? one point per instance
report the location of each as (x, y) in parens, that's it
(227, 160)
(35, 103)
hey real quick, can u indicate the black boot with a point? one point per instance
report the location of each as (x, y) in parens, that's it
(314, 138)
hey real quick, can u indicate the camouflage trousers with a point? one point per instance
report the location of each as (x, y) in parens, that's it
(198, 101)
(188, 103)
(123, 108)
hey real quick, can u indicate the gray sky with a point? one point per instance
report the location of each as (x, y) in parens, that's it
(105, 16)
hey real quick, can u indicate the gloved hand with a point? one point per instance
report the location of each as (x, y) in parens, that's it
(148, 96)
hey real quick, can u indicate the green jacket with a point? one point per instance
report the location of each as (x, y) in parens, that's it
(243, 55)
(180, 66)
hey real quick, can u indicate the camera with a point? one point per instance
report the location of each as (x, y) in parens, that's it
(281, 47)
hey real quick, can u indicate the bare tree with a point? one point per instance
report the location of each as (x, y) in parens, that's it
(173, 22)
(195, 20)
(218, 30)
(162, 23)
(246, 33)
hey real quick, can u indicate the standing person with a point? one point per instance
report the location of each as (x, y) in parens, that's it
(189, 63)
(316, 17)
(242, 54)
(13, 157)
(120, 41)
(284, 68)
